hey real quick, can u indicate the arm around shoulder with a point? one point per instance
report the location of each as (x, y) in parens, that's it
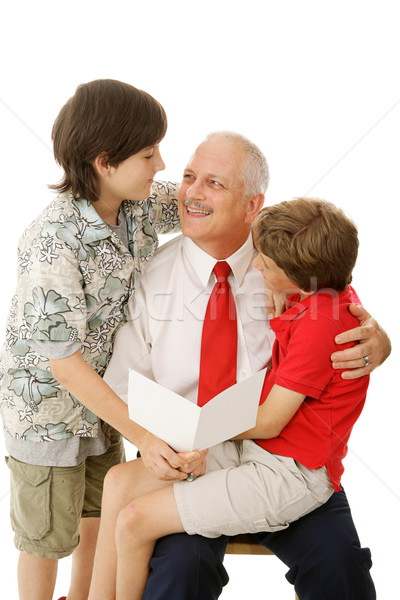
(372, 349)
(164, 207)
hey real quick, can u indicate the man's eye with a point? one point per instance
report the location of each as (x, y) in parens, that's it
(187, 176)
(215, 183)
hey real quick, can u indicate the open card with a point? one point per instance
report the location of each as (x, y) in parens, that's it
(185, 426)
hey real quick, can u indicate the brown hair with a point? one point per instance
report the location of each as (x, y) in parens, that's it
(107, 116)
(311, 240)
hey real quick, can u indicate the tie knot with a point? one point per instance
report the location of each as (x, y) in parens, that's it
(222, 270)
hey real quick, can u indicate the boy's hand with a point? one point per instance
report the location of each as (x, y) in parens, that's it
(374, 345)
(196, 462)
(163, 462)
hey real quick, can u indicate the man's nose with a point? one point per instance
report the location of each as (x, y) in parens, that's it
(196, 191)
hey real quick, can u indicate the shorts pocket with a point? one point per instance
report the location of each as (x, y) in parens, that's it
(30, 499)
(263, 524)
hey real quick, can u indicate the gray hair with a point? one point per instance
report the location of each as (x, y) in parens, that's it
(255, 172)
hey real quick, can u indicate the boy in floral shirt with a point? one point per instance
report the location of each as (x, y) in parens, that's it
(78, 265)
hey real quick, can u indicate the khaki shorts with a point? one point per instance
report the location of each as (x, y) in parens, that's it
(248, 490)
(47, 503)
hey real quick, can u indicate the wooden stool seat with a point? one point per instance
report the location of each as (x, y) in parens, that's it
(244, 543)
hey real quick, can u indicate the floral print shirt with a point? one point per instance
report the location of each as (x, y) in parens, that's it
(75, 278)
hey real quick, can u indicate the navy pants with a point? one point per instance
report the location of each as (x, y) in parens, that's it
(322, 551)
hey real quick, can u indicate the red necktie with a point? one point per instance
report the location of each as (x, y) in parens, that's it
(219, 339)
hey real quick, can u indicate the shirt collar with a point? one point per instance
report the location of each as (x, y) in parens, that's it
(94, 228)
(89, 220)
(203, 263)
(296, 307)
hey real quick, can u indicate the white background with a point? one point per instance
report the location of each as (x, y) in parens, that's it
(316, 85)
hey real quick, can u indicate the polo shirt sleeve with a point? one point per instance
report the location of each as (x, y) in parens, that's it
(306, 366)
(50, 292)
(163, 209)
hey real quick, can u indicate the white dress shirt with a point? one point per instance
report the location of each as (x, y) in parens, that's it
(162, 338)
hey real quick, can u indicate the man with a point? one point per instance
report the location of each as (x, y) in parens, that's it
(221, 193)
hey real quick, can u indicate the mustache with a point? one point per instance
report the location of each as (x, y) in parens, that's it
(197, 204)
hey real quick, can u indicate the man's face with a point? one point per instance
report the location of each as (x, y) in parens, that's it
(211, 207)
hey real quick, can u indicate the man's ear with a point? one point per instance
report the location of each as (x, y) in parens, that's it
(102, 165)
(254, 205)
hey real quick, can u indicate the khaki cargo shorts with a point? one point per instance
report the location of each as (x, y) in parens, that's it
(47, 503)
(248, 490)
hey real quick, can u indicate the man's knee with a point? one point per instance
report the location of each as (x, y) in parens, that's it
(333, 571)
(199, 553)
(323, 553)
(200, 574)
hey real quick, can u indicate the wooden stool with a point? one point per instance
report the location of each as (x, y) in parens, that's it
(245, 544)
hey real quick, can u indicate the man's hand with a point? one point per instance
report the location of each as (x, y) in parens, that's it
(374, 344)
(166, 464)
(276, 303)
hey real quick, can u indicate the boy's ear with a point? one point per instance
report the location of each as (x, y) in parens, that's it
(254, 205)
(102, 165)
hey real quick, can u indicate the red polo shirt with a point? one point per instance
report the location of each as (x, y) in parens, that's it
(318, 433)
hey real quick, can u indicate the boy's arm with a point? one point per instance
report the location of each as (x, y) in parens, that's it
(89, 388)
(274, 414)
(374, 343)
(164, 207)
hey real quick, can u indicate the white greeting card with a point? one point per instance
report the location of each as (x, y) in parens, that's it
(185, 426)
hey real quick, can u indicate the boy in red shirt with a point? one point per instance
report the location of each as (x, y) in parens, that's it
(315, 246)
(291, 461)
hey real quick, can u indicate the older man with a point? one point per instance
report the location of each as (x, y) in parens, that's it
(221, 193)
